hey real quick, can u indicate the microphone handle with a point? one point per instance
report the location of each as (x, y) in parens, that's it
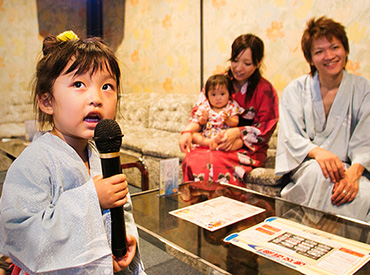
(111, 167)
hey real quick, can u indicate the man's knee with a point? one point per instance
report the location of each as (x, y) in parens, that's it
(309, 169)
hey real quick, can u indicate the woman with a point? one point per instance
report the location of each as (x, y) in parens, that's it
(256, 125)
(323, 140)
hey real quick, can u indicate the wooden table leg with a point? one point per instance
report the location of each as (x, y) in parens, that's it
(140, 164)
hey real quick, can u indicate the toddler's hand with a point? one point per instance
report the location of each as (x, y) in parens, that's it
(111, 191)
(225, 116)
(204, 117)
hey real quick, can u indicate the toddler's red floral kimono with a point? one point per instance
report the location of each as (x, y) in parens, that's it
(257, 124)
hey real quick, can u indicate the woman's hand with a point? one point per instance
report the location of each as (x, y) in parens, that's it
(122, 263)
(111, 191)
(347, 188)
(185, 142)
(186, 136)
(331, 165)
(229, 137)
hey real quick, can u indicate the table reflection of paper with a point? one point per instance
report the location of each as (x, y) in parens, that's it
(216, 213)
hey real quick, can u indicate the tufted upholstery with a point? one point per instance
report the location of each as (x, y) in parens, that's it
(152, 124)
(16, 107)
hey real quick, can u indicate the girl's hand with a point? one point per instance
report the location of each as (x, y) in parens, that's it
(330, 164)
(347, 188)
(229, 137)
(111, 191)
(122, 263)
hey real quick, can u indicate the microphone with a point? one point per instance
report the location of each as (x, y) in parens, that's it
(108, 140)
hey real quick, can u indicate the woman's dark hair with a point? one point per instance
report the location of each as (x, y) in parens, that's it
(257, 47)
(90, 54)
(216, 80)
(318, 28)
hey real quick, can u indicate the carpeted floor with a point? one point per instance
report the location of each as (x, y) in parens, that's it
(156, 261)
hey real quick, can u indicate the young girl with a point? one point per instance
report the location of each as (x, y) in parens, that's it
(54, 195)
(216, 114)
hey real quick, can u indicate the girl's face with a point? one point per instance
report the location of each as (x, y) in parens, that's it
(80, 102)
(218, 96)
(242, 67)
(329, 57)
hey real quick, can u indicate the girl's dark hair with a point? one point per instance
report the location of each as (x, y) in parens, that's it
(318, 28)
(216, 80)
(257, 47)
(90, 54)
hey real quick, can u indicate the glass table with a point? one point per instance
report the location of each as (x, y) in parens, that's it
(205, 250)
(13, 147)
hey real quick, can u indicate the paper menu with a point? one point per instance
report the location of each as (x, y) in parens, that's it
(217, 213)
(305, 249)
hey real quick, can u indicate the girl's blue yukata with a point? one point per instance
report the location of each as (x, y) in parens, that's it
(51, 221)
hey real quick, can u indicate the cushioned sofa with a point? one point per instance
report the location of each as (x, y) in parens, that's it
(15, 108)
(152, 125)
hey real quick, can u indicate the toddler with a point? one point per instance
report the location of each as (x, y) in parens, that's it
(219, 112)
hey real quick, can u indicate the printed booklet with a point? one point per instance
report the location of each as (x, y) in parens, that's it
(305, 249)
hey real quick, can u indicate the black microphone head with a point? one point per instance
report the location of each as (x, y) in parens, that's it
(108, 136)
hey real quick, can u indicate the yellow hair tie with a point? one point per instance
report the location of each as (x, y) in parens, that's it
(67, 35)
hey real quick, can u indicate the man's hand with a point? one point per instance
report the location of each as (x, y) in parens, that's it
(347, 188)
(331, 166)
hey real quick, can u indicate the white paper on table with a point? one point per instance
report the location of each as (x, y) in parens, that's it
(217, 213)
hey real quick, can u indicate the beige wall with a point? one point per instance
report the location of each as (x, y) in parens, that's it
(19, 47)
(161, 44)
(19, 44)
(280, 24)
(160, 49)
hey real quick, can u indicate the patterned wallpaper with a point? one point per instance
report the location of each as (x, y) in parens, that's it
(158, 41)
(161, 45)
(280, 24)
(19, 44)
